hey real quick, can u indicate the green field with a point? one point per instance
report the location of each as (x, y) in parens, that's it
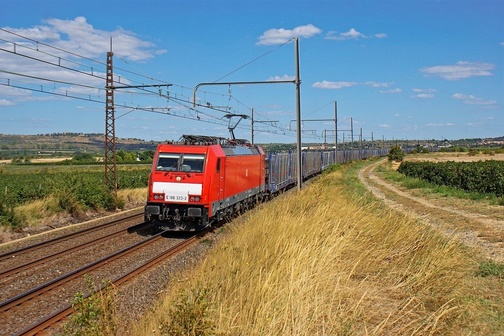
(71, 188)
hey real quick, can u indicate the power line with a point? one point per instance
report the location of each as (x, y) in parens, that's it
(64, 63)
(50, 46)
(91, 69)
(254, 60)
(59, 59)
(50, 80)
(53, 64)
(159, 110)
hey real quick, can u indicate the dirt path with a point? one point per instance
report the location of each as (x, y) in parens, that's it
(477, 225)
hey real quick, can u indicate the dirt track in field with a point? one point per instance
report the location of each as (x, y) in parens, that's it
(476, 224)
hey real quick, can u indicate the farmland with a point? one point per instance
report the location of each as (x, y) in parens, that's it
(484, 177)
(59, 190)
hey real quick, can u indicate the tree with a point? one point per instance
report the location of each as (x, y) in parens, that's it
(124, 156)
(396, 154)
(83, 158)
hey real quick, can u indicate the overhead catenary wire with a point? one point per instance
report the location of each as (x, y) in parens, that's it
(64, 62)
(80, 56)
(50, 80)
(254, 60)
(92, 70)
(159, 110)
(68, 52)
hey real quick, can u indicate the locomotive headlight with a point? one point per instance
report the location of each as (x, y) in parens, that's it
(158, 196)
(194, 198)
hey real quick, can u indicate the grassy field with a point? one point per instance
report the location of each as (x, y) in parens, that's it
(332, 260)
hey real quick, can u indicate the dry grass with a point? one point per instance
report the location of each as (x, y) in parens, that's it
(39, 212)
(133, 197)
(320, 262)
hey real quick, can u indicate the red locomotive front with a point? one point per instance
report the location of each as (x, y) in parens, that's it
(201, 179)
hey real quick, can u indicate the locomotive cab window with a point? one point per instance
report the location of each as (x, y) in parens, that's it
(181, 162)
(168, 162)
(193, 163)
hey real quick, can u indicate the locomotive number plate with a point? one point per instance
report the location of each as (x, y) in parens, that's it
(177, 198)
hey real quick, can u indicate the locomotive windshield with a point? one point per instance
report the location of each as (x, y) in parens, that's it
(181, 162)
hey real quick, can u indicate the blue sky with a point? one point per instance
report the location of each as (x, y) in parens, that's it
(397, 69)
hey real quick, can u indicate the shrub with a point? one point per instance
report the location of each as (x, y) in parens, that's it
(69, 203)
(8, 217)
(189, 316)
(396, 154)
(83, 158)
(473, 152)
(94, 314)
(484, 177)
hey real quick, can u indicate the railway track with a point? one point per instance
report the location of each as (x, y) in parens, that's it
(40, 304)
(45, 243)
(61, 314)
(34, 265)
(59, 291)
(41, 260)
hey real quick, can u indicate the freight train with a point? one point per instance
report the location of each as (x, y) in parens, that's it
(201, 179)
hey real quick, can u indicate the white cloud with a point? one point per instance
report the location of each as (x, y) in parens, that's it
(340, 85)
(12, 91)
(459, 70)
(439, 124)
(282, 78)
(396, 90)
(385, 125)
(82, 38)
(333, 85)
(279, 36)
(351, 34)
(378, 84)
(65, 49)
(4, 102)
(85, 39)
(424, 95)
(424, 90)
(470, 99)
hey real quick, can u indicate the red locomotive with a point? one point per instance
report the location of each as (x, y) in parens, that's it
(201, 179)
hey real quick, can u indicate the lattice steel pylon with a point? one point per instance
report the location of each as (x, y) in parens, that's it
(110, 139)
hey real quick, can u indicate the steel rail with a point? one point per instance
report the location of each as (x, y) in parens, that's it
(36, 291)
(48, 321)
(9, 254)
(53, 256)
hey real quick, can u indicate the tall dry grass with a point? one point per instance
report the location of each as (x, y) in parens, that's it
(321, 262)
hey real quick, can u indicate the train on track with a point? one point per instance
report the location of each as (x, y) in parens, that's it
(200, 179)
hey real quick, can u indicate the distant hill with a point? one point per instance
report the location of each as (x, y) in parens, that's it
(64, 144)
